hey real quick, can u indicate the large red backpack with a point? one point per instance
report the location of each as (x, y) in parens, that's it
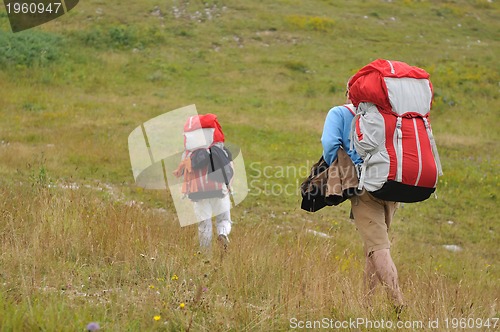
(392, 133)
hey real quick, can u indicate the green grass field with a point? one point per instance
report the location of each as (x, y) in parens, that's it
(81, 243)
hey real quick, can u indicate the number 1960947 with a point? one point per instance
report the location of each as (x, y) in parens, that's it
(33, 8)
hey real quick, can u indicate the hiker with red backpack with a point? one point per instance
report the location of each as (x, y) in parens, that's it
(386, 132)
(372, 216)
(206, 169)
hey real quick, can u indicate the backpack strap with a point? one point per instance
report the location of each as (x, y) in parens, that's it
(433, 145)
(349, 107)
(353, 130)
(399, 150)
(362, 174)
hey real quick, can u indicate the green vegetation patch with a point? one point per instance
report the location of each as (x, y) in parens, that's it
(315, 23)
(30, 48)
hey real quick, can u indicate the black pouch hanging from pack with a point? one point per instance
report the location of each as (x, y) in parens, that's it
(220, 169)
(314, 187)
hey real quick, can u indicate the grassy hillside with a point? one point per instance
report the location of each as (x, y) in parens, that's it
(81, 243)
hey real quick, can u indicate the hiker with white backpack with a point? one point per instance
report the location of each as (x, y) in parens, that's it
(386, 131)
(206, 169)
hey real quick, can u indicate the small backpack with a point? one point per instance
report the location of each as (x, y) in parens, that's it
(392, 133)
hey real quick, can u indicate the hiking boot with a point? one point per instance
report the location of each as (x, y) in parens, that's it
(399, 310)
(223, 240)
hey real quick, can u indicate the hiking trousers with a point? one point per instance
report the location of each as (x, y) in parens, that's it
(205, 209)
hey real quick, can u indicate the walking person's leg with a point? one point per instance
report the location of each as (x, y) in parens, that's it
(222, 207)
(369, 277)
(205, 233)
(387, 273)
(203, 212)
(373, 218)
(223, 228)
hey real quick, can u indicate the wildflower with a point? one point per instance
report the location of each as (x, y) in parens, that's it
(182, 305)
(175, 277)
(91, 327)
(157, 317)
(151, 286)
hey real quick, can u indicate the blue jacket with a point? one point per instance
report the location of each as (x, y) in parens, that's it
(336, 133)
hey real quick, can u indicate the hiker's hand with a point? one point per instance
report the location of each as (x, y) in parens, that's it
(178, 172)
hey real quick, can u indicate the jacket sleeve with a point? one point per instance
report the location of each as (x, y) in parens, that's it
(331, 139)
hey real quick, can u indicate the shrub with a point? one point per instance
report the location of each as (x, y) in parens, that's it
(120, 37)
(29, 48)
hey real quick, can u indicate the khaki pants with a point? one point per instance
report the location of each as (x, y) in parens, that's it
(373, 217)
